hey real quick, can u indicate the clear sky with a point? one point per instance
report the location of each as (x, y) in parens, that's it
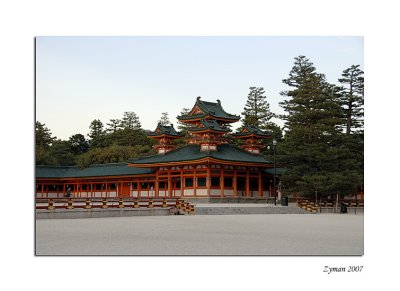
(79, 79)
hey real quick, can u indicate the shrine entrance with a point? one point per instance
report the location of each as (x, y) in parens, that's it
(241, 186)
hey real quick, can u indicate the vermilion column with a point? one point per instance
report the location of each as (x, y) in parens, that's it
(247, 184)
(234, 183)
(222, 181)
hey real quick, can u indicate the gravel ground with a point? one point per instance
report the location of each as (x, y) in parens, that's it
(281, 234)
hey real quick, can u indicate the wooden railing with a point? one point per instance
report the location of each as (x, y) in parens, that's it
(121, 203)
(311, 206)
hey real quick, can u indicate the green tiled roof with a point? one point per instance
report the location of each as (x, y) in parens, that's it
(209, 124)
(210, 108)
(279, 171)
(165, 129)
(225, 152)
(114, 169)
(252, 130)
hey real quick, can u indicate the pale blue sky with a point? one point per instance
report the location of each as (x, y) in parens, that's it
(79, 79)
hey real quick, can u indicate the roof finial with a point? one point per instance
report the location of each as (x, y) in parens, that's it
(198, 97)
(218, 101)
(171, 125)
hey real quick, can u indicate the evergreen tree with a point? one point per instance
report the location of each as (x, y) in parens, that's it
(256, 111)
(78, 143)
(114, 125)
(352, 97)
(43, 135)
(43, 142)
(112, 154)
(131, 121)
(97, 134)
(313, 148)
(182, 126)
(61, 153)
(164, 119)
(96, 129)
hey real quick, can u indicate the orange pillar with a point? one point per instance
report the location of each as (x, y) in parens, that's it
(260, 191)
(208, 180)
(169, 183)
(194, 181)
(247, 184)
(234, 183)
(222, 182)
(182, 182)
(156, 188)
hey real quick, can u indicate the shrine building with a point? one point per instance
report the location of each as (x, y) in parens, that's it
(208, 165)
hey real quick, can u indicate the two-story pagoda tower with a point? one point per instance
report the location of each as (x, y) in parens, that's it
(165, 135)
(252, 137)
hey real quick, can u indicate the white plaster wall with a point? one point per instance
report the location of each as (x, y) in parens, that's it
(188, 192)
(215, 191)
(201, 192)
(228, 192)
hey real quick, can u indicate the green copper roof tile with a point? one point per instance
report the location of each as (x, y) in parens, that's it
(210, 108)
(165, 129)
(225, 152)
(209, 124)
(252, 130)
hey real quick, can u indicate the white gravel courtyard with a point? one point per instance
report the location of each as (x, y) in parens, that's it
(272, 234)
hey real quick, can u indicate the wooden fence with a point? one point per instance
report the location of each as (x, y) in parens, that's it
(121, 203)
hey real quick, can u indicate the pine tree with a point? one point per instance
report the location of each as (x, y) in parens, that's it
(352, 96)
(78, 143)
(97, 134)
(164, 119)
(96, 129)
(43, 135)
(131, 121)
(43, 141)
(182, 126)
(114, 125)
(256, 111)
(313, 148)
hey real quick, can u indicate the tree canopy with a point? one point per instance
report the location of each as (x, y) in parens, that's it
(314, 149)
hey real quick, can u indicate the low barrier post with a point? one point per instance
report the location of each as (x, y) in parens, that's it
(87, 205)
(70, 206)
(51, 205)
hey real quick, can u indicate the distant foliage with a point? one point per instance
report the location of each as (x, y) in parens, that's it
(112, 154)
(123, 139)
(130, 121)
